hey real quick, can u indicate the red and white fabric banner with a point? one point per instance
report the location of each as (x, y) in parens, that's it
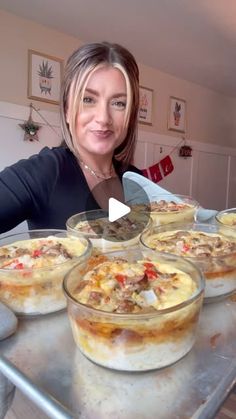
(159, 170)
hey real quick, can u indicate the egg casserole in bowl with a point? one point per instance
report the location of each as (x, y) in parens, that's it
(211, 247)
(32, 267)
(134, 313)
(166, 208)
(105, 235)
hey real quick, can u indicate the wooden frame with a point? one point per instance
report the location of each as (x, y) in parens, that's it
(44, 77)
(177, 114)
(145, 105)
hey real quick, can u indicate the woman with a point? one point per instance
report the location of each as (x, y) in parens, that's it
(99, 107)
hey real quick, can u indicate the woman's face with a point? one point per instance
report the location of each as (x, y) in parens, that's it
(100, 121)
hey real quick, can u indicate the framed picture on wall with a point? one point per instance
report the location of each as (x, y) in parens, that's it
(145, 105)
(177, 114)
(44, 77)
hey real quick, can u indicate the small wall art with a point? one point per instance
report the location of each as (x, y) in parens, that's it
(44, 77)
(145, 105)
(177, 114)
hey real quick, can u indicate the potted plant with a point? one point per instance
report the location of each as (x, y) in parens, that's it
(45, 77)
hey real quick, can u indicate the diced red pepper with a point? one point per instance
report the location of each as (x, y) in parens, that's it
(19, 266)
(36, 253)
(148, 265)
(121, 278)
(151, 274)
(185, 248)
(150, 271)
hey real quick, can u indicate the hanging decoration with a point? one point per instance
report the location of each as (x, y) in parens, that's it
(185, 151)
(165, 166)
(30, 128)
(155, 173)
(159, 170)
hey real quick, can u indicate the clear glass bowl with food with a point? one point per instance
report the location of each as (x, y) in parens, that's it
(105, 235)
(32, 267)
(132, 312)
(227, 217)
(210, 247)
(167, 208)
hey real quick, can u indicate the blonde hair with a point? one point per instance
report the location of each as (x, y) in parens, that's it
(79, 68)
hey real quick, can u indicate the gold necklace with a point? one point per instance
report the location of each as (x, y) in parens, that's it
(96, 174)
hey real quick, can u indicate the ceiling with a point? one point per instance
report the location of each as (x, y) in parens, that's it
(192, 40)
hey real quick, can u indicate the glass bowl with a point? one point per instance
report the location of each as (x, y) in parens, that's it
(210, 247)
(167, 208)
(32, 267)
(227, 217)
(134, 313)
(105, 235)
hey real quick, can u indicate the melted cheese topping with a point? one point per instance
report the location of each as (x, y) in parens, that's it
(192, 243)
(117, 285)
(40, 253)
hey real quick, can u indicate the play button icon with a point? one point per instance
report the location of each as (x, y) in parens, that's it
(116, 218)
(116, 210)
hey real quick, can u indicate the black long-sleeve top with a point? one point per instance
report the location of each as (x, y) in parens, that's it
(45, 189)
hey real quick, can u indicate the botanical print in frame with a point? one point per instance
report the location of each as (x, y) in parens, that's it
(44, 77)
(177, 114)
(145, 105)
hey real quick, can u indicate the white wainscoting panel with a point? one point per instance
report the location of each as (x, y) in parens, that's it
(211, 181)
(209, 175)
